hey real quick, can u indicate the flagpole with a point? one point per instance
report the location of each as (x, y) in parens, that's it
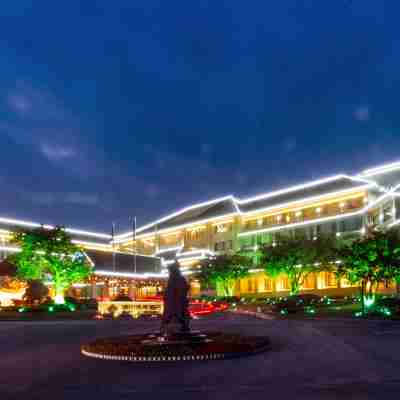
(134, 245)
(113, 245)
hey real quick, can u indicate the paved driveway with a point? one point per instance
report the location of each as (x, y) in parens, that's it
(309, 360)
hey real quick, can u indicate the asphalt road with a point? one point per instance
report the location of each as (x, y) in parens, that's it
(309, 360)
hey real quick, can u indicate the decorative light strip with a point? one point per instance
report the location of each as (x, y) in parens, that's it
(174, 214)
(168, 249)
(130, 274)
(94, 244)
(303, 186)
(145, 235)
(381, 169)
(10, 249)
(201, 251)
(305, 200)
(30, 224)
(394, 223)
(319, 220)
(255, 270)
(133, 275)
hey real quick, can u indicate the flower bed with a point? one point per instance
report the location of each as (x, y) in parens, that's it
(215, 346)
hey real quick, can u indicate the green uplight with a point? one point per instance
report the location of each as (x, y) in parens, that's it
(358, 314)
(385, 311)
(284, 312)
(51, 309)
(310, 310)
(21, 309)
(71, 307)
(369, 301)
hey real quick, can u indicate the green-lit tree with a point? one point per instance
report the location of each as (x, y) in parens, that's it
(49, 253)
(370, 260)
(296, 257)
(223, 271)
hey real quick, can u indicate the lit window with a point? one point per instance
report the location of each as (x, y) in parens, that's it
(318, 210)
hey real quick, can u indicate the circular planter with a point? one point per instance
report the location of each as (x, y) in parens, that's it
(196, 347)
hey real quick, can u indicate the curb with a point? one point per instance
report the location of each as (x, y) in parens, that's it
(255, 314)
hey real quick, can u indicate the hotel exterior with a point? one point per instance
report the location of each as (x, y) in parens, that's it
(342, 205)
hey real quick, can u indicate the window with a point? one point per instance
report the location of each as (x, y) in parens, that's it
(222, 228)
(330, 279)
(220, 246)
(249, 285)
(308, 282)
(283, 283)
(229, 245)
(267, 285)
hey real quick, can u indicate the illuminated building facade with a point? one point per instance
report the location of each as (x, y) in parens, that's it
(342, 205)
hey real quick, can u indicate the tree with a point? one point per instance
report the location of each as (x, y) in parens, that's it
(223, 271)
(371, 260)
(296, 257)
(49, 253)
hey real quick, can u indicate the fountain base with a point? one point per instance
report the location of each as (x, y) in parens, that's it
(190, 346)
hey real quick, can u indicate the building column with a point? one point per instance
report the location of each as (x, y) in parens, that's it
(93, 290)
(105, 291)
(132, 291)
(315, 280)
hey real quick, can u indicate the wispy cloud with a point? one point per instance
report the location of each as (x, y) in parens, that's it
(37, 118)
(362, 113)
(72, 198)
(56, 152)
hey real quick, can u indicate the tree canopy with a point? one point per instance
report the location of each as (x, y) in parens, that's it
(370, 260)
(223, 271)
(296, 257)
(50, 254)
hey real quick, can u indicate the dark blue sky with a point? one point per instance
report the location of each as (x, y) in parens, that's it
(110, 109)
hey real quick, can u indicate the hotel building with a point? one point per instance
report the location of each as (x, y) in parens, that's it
(342, 205)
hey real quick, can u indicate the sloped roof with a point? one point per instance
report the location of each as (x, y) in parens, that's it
(124, 262)
(13, 225)
(386, 179)
(193, 214)
(299, 193)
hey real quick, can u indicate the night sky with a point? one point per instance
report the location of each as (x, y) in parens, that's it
(116, 108)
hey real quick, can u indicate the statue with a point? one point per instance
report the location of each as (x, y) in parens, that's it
(176, 304)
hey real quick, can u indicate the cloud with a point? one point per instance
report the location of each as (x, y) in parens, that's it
(39, 119)
(289, 144)
(55, 152)
(73, 198)
(85, 199)
(19, 103)
(362, 114)
(152, 191)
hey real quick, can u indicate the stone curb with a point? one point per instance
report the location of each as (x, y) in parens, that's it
(255, 314)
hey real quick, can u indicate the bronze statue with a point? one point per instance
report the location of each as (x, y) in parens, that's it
(176, 304)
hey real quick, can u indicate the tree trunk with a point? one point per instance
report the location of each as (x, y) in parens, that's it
(294, 287)
(362, 298)
(59, 292)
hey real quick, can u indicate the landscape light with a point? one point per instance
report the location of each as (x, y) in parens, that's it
(369, 301)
